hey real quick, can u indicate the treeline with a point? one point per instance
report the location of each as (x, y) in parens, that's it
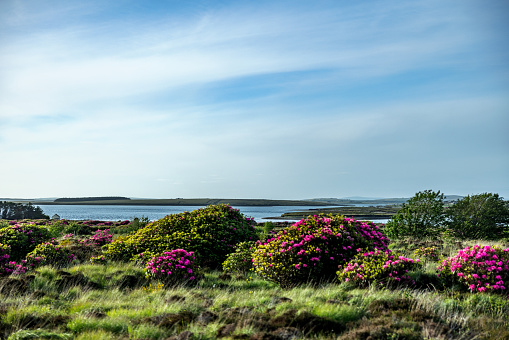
(481, 216)
(20, 211)
(86, 199)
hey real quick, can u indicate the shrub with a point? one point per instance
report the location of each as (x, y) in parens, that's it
(241, 261)
(421, 216)
(382, 267)
(484, 216)
(49, 253)
(23, 238)
(100, 259)
(312, 249)
(479, 268)
(211, 232)
(100, 238)
(430, 253)
(175, 266)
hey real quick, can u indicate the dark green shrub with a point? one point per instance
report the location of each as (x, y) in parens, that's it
(241, 261)
(210, 232)
(49, 253)
(422, 216)
(312, 249)
(484, 216)
(23, 238)
(382, 267)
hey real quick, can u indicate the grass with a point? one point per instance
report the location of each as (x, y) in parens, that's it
(242, 309)
(116, 301)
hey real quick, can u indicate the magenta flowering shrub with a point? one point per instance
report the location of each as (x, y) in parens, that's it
(174, 266)
(8, 267)
(480, 269)
(312, 249)
(100, 238)
(49, 253)
(381, 266)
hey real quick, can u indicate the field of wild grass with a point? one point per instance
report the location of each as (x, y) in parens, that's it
(115, 300)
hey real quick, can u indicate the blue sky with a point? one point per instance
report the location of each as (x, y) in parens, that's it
(253, 99)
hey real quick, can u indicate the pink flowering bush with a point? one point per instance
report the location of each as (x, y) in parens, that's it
(100, 238)
(480, 269)
(8, 267)
(49, 253)
(381, 266)
(312, 249)
(174, 266)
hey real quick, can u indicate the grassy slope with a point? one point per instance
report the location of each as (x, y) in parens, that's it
(114, 301)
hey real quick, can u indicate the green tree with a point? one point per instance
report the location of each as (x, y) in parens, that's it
(421, 216)
(19, 211)
(482, 216)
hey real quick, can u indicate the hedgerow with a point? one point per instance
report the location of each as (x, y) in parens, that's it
(312, 249)
(480, 269)
(210, 232)
(381, 267)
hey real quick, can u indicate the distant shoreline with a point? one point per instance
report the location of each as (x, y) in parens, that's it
(190, 202)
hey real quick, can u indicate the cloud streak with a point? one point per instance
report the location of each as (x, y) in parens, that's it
(206, 97)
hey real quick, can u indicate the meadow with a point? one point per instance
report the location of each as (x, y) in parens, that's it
(101, 293)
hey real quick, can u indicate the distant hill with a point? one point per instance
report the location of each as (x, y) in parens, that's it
(88, 199)
(374, 201)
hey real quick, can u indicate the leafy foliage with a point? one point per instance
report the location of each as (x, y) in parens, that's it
(422, 216)
(211, 232)
(49, 253)
(311, 249)
(483, 216)
(382, 267)
(430, 253)
(241, 261)
(479, 268)
(19, 211)
(175, 266)
(23, 238)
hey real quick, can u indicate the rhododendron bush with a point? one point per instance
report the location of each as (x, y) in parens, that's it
(312, 249)
(212, 232)
(383, 267)
(481, 269)
(175, 266)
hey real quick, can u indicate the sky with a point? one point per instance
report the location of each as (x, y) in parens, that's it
(280, 99)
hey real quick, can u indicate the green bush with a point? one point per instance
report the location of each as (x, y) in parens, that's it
(49, 253)
(483, 216)
(312, 249)
(210, 232)
(422, 216)
(382, 267)
(23, 238)
(241, 261)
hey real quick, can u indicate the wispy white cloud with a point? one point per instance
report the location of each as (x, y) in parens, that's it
(137, 93)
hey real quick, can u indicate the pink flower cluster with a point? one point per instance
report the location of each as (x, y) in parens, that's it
(382, 266)
(312, 248)
(100, 238)
(10, 267)
(176, 265)
(480, 268)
